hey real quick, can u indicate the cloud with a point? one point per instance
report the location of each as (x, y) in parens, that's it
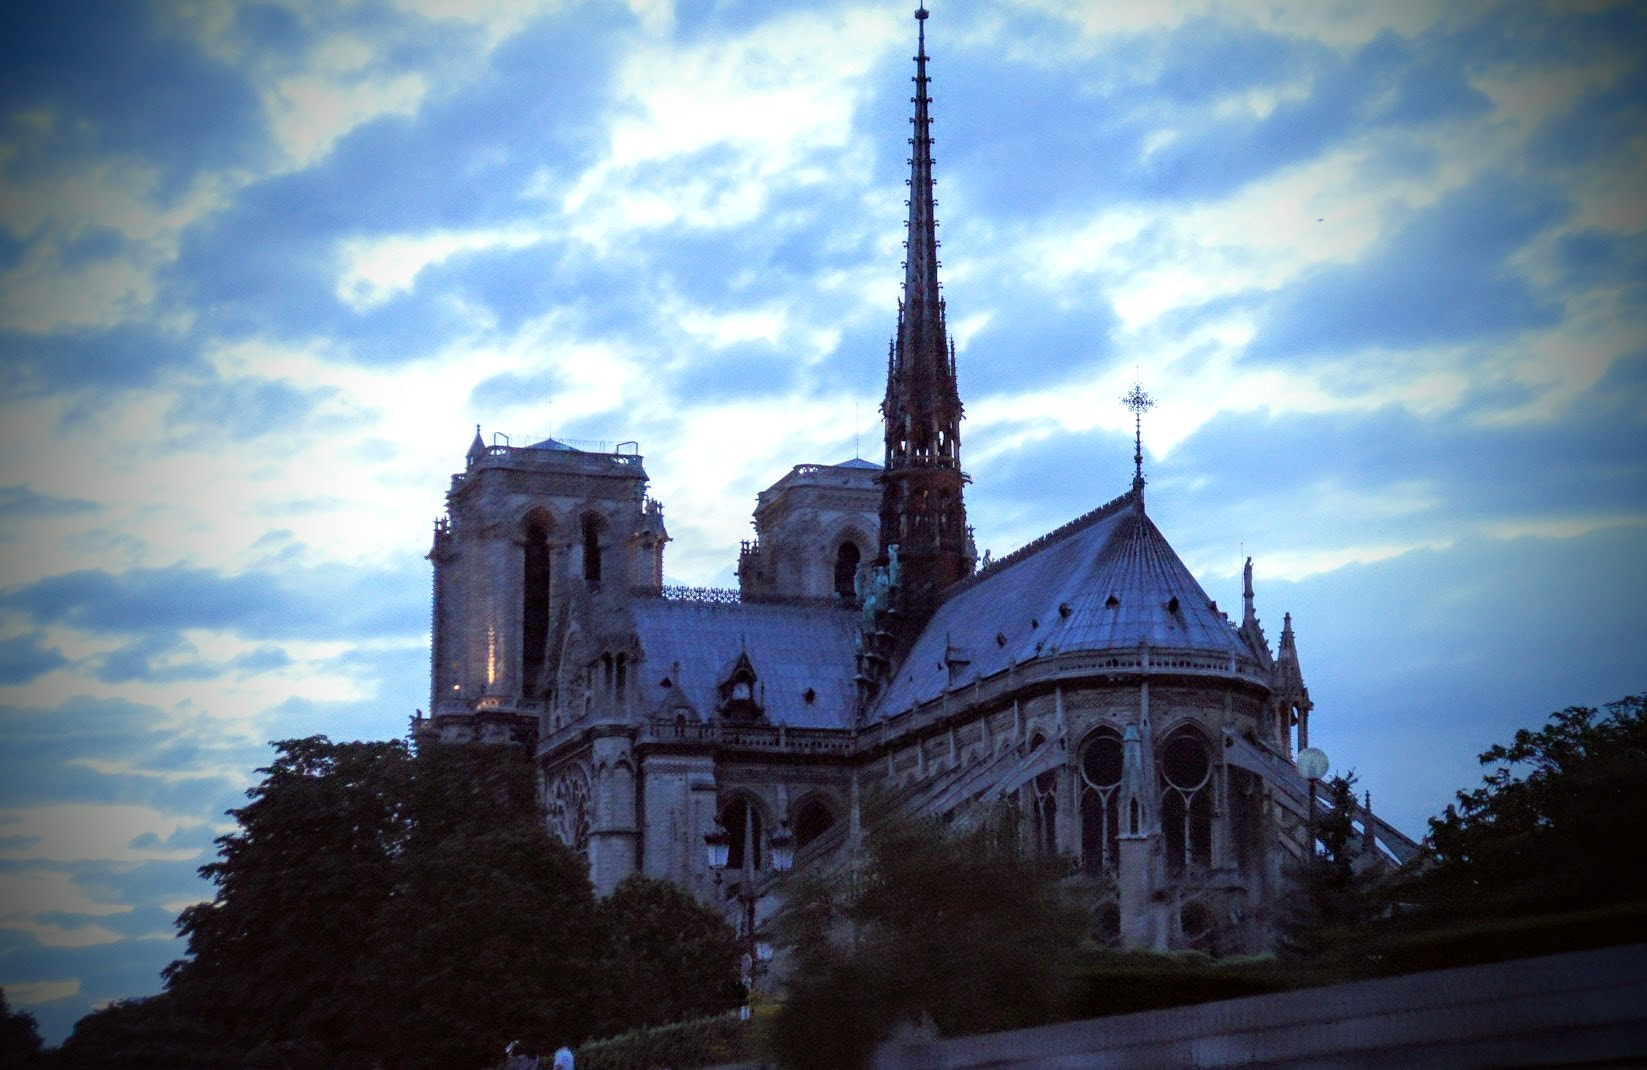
(26, 657)
(1445, 277)
(295, 603)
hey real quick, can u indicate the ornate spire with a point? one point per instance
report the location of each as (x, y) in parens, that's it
(922, 309)
(921, 508)
(1140, 403)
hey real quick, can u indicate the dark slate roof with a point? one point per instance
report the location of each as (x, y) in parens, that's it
(791, 648)
(1055, 597)
(857, 462)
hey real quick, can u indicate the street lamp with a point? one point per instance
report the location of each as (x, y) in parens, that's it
(781, 855)
(718, 844)
(1312, 763)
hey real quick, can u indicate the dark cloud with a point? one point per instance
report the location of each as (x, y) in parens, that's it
(20, 500)
(321, 602)
(741, 370)
(106, 751)
(241, 409)
(26, 657)
(510, 389)
(1034, 338)
(129, 355)
(1444, 278)
(268, 265)
(124, 86)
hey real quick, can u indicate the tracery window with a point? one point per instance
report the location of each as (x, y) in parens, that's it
(1186, 800)
(1100, 800)
(569, 809)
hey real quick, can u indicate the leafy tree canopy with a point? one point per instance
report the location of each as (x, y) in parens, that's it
(1554, 824)
(959, 928)
(380, 906)
(20, 1042)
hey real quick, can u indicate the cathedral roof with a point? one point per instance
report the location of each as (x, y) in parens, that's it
(857, 462)
(794, 649)
(1106, 581)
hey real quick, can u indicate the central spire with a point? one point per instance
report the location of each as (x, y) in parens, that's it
(921, 305)
(922, 513)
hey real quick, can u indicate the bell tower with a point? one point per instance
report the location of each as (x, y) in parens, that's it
(922, 512)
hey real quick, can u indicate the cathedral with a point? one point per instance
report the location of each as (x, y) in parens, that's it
(1086, 679)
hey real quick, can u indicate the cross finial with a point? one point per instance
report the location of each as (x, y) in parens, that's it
(1140, 403)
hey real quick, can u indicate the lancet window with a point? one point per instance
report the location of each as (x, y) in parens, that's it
(1100, 800)
(535, 604)
(1186, 800)
(846, 571)
(591, 550)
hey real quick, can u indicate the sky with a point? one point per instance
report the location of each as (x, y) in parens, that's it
(264, 267)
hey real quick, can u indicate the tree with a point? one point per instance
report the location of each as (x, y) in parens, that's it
(20, 1043)
(961, 929)
(667, 957)
(1554, 825)
(1329, 896)
(380, 903)
(274, 955)
(140, 1034)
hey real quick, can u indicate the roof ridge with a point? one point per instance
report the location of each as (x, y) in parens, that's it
(1035, 546)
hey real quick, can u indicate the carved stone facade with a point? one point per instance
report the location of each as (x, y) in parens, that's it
(1086, 680)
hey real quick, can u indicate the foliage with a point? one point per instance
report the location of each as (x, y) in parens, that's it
(299, 885)
(1329, 898)
(377, 905)
(137, 1034)
(492, 933)
(961, 929)
(668, 957)
(20, 1042)
(1552, 826)
(683, 1045)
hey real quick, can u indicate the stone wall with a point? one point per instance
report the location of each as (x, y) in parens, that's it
(1585, 1009)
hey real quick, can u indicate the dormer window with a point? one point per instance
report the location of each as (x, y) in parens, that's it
(739, 690)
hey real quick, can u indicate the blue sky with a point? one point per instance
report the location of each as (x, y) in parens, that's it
(264, 267)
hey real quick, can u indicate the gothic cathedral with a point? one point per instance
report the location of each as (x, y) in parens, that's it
(1085, 679)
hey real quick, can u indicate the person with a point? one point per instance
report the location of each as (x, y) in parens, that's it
(563, 1058)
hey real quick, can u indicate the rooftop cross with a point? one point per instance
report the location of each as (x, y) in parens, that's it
(1140, 403)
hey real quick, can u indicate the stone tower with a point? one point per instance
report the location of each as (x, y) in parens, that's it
(535, 539)
(816, 534)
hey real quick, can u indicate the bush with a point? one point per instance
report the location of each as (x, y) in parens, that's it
(680, 1046)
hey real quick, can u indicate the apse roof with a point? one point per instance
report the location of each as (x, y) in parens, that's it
(857, 462)
(1106, 581)
(792, 648)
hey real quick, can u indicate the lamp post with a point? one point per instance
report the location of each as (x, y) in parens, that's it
(757, 949)
(1312, 763)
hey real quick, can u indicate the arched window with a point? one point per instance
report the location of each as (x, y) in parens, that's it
(1195, 925)
(812, 819)
(535, 579)
(591, 549)
(743, 824)
(1045, 810)
(1186, 800)
(846, 571)
(1100, 800)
